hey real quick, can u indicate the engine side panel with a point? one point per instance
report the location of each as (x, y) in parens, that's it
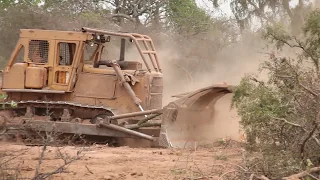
(102, 87)
(15, 78)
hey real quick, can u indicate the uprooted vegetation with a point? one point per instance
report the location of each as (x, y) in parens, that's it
(14, 163)
(281, 115)
(13, 166)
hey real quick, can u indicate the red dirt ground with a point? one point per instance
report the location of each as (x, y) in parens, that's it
(103, 162)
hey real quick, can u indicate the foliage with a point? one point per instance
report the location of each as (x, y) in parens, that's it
(268, 12)
(187, 17)
(182, 23)
(281, 116)
(9, 3)
(29, 16)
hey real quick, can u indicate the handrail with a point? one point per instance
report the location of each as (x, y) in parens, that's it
(135, 37)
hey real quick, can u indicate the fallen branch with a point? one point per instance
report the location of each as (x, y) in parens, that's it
(44, 148)
(67, 161)
(242, 168)
(221, 177)
(88, 169)
(252, 176)
(287, 122)
(262, 177)
(258, 177)
(299, 126)
(302, 174)
(203, 177)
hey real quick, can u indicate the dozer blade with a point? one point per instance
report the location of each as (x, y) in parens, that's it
(200, 117)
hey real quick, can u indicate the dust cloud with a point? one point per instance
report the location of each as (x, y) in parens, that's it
(229, 66)
(196, 63)
(316, 4)
(204, 126)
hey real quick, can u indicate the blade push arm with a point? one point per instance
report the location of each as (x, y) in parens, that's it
(126, 85)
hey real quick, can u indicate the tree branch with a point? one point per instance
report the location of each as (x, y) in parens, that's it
(286, 6)
(297, 80)
(307, 89)
(121, 16)
(299, 126)
(306, 140)
(287, 122)
(260, 177)
(67, 161)
(315, 61)
(110, 2)
(300, 46)
(261, 14)
(41, 158)
(88, 169)
(302, 174)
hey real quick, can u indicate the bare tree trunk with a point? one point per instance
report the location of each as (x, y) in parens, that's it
(156, 20)
(297, 19)
(116, 9)
(122, 9)
(119, 9)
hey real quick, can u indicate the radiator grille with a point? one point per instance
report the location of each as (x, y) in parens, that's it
(156, 90)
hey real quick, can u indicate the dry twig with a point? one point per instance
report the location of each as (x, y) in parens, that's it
(302, 174)
(88, 169)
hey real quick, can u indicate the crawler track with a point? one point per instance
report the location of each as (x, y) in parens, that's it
(24, 119)
(54, 104)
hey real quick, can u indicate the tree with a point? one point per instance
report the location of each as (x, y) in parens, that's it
(135, 13)
(283, 113)
(8, 3)
(49, 16)
(268, 12)
(186, 17)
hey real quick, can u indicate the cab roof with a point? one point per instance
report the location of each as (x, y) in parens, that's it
(54, 34)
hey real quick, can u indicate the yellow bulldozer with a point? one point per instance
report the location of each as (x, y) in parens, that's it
(59, 81)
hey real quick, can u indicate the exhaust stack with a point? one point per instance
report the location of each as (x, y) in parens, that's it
(122, 49)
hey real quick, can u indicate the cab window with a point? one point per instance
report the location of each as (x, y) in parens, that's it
(38, 51)
(66, 53)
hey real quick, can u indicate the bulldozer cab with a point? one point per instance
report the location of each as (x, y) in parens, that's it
(49, 61)
(44, 60)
